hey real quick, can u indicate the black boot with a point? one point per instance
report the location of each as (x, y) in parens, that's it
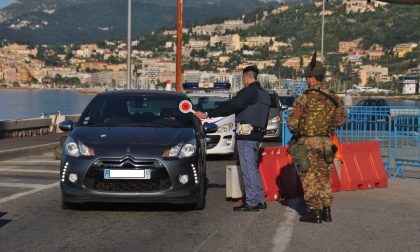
(326, 214)
(314, 216)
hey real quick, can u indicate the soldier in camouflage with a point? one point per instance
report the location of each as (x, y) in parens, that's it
(313, 120)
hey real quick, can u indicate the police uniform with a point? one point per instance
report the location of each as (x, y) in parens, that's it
(250, 106)
(315, 116)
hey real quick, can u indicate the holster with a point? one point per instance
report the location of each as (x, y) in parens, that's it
(299, 153)
(329, 155)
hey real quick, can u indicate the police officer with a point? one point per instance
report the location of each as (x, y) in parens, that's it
(315, 115)
(250, 106)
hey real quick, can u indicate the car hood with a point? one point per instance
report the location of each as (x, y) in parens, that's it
(135, 140)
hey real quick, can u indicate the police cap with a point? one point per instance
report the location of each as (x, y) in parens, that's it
(314, 68)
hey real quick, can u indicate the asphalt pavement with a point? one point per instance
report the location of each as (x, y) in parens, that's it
(31, 218)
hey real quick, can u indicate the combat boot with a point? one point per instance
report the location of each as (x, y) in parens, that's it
(326, 214)
(314, 216)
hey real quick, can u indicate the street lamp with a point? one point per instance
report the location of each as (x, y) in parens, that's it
(179, 47)
(322, 31)
(129, 46)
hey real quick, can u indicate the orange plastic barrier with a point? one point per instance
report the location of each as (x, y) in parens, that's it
(362, 166)
(335, 181)
(280, 180)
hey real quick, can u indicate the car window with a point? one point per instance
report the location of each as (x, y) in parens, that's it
(206, 103)
(152, 111)
(274, 101)
(361, 103)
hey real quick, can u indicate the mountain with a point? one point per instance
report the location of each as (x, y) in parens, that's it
(83, 21)
(301, 24)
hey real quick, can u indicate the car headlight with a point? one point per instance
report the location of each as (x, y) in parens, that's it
(275, 119)
(225, 128)
(181, 150)
(74, 149)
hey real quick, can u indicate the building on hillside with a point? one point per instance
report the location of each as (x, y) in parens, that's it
(197, 44)
(409, 84)
(400, 50)
(258, 41)
(375, 73)
(277, 45)
(260, 64)
(280, 9)
(348, 46)
(213, 29)
(109, 79)
(232, 42)
(361, 6)
(93, 65)
(414, 71)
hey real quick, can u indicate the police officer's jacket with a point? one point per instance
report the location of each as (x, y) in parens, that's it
(250, 106)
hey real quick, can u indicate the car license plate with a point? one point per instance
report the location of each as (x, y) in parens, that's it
(126, 174)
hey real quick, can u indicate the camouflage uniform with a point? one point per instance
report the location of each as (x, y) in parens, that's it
(313, 120)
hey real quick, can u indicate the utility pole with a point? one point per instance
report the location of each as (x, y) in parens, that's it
(129, 46)
(322, 31)
(179, 47)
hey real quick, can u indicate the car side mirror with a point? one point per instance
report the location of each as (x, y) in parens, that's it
(66, 125)
(210, 127)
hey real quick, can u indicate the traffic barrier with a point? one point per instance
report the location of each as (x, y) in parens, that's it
(280, 180)
(362, 166)
(335, 180)
(233, 182)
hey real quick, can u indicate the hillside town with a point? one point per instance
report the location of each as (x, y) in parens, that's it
(211, 53)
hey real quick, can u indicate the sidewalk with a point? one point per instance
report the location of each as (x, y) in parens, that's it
(12, 147)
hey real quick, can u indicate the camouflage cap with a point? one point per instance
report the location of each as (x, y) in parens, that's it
(314, 67)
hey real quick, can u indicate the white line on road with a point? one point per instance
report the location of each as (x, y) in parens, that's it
(22, 185)
(29, 171)
(284, 231)
(23, 194)
(32, 162)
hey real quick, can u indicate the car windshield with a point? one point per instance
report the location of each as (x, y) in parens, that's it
(288, 101)
(206, 103)
(135, 111)
(372, 102)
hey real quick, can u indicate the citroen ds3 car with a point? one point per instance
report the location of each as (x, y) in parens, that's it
(135, 146)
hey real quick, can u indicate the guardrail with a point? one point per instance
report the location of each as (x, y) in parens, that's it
(396, 128)
(46, 124)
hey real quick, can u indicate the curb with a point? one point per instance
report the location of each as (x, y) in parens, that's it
(18, 152)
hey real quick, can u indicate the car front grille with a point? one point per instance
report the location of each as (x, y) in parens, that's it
(212, 141)
(159, 178)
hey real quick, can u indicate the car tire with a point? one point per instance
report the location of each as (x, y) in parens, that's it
(201, 199)
(69, 205)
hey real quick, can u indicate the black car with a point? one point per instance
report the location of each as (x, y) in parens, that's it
(135, 146)
(377, 102)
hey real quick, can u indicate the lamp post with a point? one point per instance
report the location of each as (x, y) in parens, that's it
(322, 31)
(129, 46)
(179, 47)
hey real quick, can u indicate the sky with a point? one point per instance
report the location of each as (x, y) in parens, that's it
(4, 3)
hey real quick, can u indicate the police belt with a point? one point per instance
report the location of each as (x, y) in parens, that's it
(258, 130)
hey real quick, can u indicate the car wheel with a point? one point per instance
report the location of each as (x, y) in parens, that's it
(70, 205)
(201, 199)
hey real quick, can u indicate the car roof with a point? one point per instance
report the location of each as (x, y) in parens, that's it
(143, 93)
(209, 94)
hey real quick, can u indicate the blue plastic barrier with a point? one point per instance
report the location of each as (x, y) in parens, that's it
(406, 142)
